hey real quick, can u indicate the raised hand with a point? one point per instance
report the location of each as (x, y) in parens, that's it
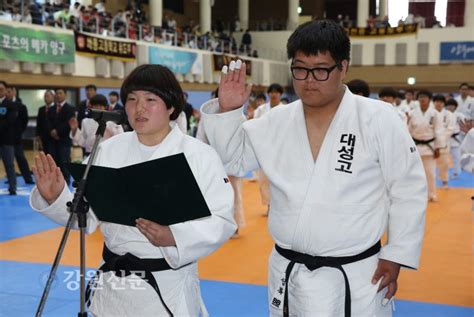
(49, 179)
(158, 235)
(233, 89)
(387, 271)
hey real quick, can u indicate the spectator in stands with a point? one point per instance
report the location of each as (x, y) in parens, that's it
(247, 41)
(21, 122)
(172, 25)
(36, 16)
(420, 20)
(236, 25)
(100, 6)
(63, 16)
(75, 11)
(16, 16)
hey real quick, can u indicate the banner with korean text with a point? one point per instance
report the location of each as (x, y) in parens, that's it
(37, 46)
(179, 62)
(406, 29)
(95, 46)
(456, 52)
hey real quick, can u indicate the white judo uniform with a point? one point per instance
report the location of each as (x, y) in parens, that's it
(236, 183)
(85, 136)
(425, 126)
(368, 178)
(449, 122)
(466, 107)
(455, 142)
(194, 239)
(262, 179)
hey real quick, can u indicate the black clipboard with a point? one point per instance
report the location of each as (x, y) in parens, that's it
(162, 190)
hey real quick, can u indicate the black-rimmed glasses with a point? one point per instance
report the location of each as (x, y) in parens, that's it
(319, 73)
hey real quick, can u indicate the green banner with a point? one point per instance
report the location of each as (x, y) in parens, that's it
(31, 45)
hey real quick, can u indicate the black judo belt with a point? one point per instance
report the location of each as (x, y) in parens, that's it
(454, 137)
(425, 142)
(125, 265)
(316, 262)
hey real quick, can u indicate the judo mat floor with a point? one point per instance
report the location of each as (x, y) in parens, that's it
(234, 277)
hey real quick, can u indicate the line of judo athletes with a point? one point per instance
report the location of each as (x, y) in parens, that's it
(342, 170)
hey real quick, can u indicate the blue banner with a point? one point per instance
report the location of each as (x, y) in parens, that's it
(179, 62)
(456, 52)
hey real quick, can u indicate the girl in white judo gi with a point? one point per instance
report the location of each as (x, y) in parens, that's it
(152, 97)
(342, 170)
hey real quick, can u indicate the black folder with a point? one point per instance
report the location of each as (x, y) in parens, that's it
(162, 190)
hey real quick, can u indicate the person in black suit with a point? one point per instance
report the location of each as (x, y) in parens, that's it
(21, 123)
(84, 105)
(114, 103)
(59, 116)
(8, 114)
(43, 129)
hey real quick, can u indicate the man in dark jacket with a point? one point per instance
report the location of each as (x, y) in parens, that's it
(83, 108)
(59, 116)
(21, 123)
(43, 129)
(8, 114)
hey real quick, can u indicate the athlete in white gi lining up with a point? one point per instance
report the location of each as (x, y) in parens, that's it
(274, 92)
(449, 121)
(342, 169)
(426, 128)
(457, 136)
(152, 97)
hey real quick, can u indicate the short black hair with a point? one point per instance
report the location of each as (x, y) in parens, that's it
(424, 92)
(99, 100)
(411, 91)
(261, 96)
(439, 98)
(60, 88)
(359, 87)
(275, 87)
(114, 93)
(4, 83)
(388, 92)
(158, 80)
(319, 36)
(452, 102)
(463, 84)
(90, 86)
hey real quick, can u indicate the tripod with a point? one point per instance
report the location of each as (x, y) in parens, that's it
(78, 208)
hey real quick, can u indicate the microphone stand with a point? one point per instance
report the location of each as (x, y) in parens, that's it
(78, 208)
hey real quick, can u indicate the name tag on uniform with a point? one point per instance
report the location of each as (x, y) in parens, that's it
(278, 296)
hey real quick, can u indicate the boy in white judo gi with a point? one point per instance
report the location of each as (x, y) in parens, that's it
(84, 136)
(426, 128)
(274, 92)
(457, 137)
(449, 123)
(342, 170)
(170, 286)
